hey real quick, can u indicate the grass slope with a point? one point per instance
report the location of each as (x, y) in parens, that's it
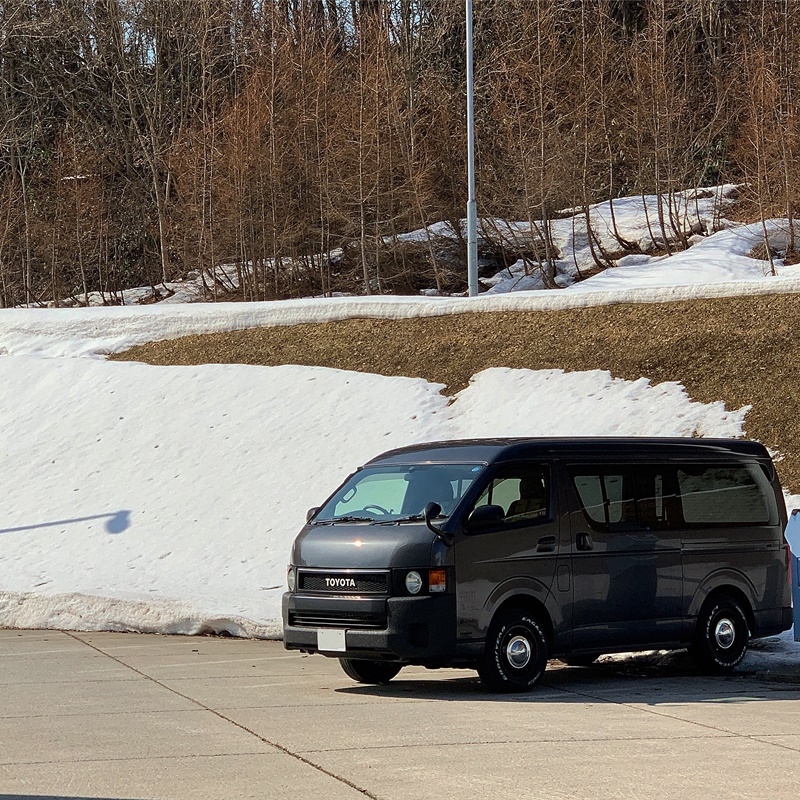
(743, 350)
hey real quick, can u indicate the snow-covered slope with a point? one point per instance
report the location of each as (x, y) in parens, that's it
(166, 498)
(100, 331)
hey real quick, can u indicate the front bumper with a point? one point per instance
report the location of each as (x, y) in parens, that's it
(411, 629)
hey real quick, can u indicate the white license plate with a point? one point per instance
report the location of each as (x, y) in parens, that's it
(331, 640)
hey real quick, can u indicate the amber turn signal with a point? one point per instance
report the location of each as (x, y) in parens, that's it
(437, 580)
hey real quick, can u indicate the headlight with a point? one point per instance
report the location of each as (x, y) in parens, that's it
(413, 582)
(290, 578)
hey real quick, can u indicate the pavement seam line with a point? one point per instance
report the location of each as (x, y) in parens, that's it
(233, 722)
(750, 737)
(489, 742)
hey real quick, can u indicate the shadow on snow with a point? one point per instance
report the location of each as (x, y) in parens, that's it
(116, 522)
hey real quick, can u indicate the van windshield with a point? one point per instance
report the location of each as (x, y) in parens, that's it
(399, 493)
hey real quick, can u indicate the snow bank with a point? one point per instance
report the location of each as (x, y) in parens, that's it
(501, 402)
(100, 331)
(184, 485)
(166, 498)
(720, 258)
(716, 266)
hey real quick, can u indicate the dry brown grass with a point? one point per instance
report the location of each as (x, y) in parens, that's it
(739, 350)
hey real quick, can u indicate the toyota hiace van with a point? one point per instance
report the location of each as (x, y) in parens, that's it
(501, 554)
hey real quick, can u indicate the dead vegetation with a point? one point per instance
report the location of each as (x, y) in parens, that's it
(295, 142)
(743, 351)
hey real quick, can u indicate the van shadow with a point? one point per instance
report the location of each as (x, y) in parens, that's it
(648, 679)
(116, 522)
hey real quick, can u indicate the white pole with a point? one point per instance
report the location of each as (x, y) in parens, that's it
(472, 205)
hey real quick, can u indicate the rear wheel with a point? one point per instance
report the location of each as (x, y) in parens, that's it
(365, 671)
(515, 655)
(722, 634)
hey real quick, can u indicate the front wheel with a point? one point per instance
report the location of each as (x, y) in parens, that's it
(365, 671)
(722, 634)
(515, 655)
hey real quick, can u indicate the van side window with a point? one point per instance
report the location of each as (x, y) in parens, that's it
(607, 497)
(724, 495)
(624, 497)
(523, 492)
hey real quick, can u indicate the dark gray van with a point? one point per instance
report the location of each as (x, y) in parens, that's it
(498, 554)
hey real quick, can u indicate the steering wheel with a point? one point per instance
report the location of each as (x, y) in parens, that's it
(376, 509)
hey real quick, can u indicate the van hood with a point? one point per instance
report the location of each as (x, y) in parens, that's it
(363, 546)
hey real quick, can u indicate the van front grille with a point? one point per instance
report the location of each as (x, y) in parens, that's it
(338, 619)
(340, 582)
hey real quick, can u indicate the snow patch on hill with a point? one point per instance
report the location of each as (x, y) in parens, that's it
(166, 498)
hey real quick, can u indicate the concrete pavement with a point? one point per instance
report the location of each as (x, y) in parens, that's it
(108, 715)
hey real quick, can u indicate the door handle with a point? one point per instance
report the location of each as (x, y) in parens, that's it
(547, 544)
(584, 542)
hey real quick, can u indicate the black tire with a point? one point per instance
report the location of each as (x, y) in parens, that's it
(364, 671)
(721, 636)
(580, 660)
(515, 655)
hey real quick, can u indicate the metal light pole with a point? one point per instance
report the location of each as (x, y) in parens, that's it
(472, 204)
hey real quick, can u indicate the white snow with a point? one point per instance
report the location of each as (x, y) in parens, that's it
(165, 499)
(100, 331)
(718, 259)
(174, 494)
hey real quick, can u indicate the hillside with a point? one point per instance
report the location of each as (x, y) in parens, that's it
(292, 145)
(739, 350)
(166, 498)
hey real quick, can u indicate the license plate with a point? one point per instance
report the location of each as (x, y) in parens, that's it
(331, 640)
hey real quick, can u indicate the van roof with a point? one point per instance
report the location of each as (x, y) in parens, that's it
(490, 451)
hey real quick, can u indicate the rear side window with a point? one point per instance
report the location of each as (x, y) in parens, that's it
(606, 498)
(623, 497)
(725, 495)
(652, 497)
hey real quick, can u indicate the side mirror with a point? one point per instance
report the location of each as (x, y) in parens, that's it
(485, 518)
(311, 513)
(431, 511)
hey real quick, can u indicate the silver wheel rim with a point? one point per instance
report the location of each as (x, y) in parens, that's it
(518, 652)
(724, 634)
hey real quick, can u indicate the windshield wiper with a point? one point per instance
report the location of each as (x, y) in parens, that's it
(411, 518)
(351, 519)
